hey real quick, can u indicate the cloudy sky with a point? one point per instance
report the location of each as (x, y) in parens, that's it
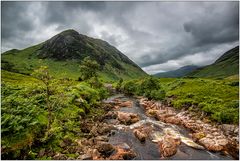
(158, 36)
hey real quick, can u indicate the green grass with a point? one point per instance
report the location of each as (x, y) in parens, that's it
(227, 65)
(218, 99)
(24, 113)
(25, 61)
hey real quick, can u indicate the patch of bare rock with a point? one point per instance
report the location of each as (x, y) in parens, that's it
(212, 137)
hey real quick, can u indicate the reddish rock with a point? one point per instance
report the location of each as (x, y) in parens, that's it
(128, 118)
(126, 104)
(122, 154)
(151, 113)
(105, 149)
(211, 144)
(168, 146)
(172, 120)
(198, 135)
(140, 135)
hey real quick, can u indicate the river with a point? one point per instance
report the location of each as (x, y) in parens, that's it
(149, 150)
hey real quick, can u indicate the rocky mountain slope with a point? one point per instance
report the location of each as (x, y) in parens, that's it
(63, 54)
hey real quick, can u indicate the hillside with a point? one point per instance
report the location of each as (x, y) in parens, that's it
(177, 73)
(226, 65)
(63, 54)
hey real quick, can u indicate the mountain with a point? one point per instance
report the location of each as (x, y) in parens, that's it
(63, 54)
(226, 65)
(177, 73)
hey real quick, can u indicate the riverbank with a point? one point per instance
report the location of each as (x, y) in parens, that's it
(137, 128)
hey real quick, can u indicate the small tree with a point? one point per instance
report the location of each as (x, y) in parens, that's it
(43, 74)
(89, 68)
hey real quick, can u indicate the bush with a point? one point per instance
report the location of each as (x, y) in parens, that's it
(149, 87)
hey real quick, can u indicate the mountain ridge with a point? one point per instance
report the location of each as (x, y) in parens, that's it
(226, 65)
(180, 72)
(69, 48)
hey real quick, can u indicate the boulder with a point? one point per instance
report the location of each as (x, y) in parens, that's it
(105, 149)
(122, 154)
(198, 135)
(104, 129)
(140, 135)
(111, 115)
(85, 157)
(211, 144)
(124, 146)
(168, 146)
(128, 118)
(126, 104)
(172, 120)
(151, 113)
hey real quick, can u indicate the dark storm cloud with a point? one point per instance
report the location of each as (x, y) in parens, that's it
(13, 19)
(217, 27)
(158, 36)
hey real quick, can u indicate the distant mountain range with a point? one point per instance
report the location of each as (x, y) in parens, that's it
(177, 73)
(226, 65)
(63, 54)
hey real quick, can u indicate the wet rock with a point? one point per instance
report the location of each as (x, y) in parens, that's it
(222, 142)
(126, 104)
(59, 156)
(128, 118)
(107, 106)
(211, 144)
(101, 138)
(233, 149)
(172, 120)
(198, 135)
(105, 148)
(84, 142)
(111, 115)
(151, 113)
(228, 129)
(104, 129)
(168, 146)
(95, 154)
(129, 155)
(94, 131)
(141, 136)
(85, 157)
(122, 154)
(124, 146)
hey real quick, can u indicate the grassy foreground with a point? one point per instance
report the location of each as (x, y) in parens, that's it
(25, 116)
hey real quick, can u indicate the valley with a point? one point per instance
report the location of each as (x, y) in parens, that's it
(76, 97)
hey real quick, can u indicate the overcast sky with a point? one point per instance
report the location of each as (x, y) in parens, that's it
(158, 36)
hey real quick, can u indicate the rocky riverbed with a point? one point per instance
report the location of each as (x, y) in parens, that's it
(138, 128)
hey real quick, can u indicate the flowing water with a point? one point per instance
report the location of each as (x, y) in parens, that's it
(149, 150)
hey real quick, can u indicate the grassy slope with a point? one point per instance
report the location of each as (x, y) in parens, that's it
(218, 98)
(25, 62)
(225, 66)
(22, 95)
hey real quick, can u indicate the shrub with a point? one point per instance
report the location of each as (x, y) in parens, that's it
(149, 87)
